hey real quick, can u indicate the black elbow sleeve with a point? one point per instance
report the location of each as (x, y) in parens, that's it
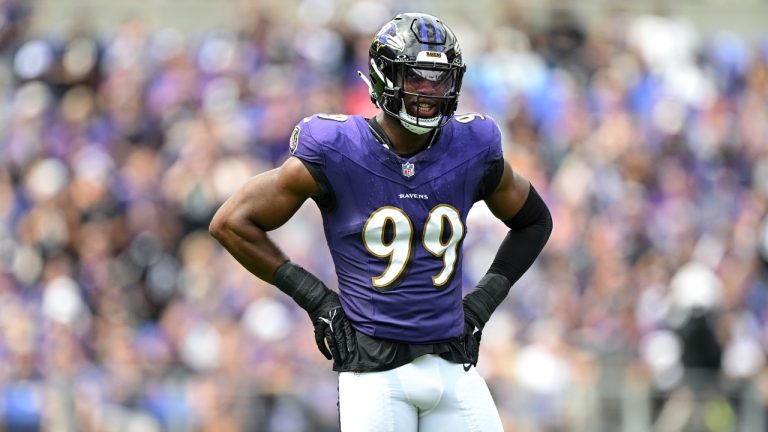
(529, 231)
(533, 212)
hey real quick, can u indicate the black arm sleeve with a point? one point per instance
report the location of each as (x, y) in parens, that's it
(529, 231)
(302, 286)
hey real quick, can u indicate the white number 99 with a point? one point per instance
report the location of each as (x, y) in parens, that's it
(398, 248)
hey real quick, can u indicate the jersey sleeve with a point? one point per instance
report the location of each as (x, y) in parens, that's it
(307, 143)
(494, 160)
(494, 139)
(303, 144)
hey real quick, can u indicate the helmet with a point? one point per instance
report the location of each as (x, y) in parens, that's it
(415, 63)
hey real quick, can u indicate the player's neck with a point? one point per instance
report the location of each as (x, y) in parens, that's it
(403, 141)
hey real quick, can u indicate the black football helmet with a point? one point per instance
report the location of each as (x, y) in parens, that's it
(415, 70)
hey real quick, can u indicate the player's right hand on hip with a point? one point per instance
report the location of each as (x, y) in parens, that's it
(334, 335)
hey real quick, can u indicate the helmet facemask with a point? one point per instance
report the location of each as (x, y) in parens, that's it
(413, 81)
(408, 88)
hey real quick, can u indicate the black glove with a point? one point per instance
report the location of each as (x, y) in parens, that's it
(334, 334)
(478, 307)
(471, 338)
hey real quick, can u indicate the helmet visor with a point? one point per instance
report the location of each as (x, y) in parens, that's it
(429, 82)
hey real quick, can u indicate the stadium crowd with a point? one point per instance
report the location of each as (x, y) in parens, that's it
(647, 139)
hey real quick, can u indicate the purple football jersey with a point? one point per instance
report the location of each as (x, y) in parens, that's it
(396, 231)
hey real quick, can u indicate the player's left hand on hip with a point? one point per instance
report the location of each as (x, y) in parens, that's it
(334, 335)
(471, 340)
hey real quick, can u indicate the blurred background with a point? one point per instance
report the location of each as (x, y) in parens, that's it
(124, 125)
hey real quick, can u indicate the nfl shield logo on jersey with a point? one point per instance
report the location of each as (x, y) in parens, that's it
(409, 169)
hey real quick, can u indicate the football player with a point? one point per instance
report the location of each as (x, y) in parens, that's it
(394, 192)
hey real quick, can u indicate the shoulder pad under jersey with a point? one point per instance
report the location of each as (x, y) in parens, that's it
(481, 130)
(314, 134)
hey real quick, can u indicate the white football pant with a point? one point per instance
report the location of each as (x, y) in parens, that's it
(429, 394)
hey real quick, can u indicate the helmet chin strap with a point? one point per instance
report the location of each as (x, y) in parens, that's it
(408, 121)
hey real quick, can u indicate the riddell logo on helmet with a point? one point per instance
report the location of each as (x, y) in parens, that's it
(433, 54)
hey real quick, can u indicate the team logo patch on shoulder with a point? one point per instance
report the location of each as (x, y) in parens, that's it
(294, 141)
(409, 169)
